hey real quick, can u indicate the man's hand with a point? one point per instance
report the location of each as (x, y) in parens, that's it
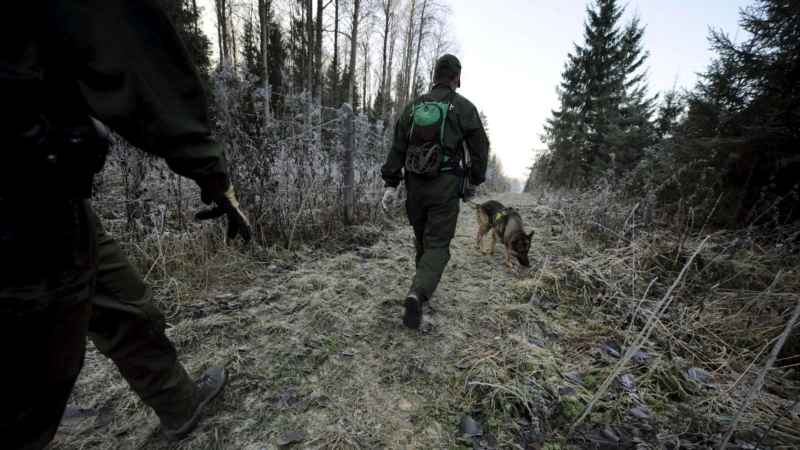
(225, 204)
(470, 192)
(389, 198)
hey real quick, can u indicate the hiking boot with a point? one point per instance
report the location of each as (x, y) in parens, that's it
(209, 386)
(413, 304)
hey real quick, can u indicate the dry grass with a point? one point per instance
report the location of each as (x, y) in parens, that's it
(495, 344)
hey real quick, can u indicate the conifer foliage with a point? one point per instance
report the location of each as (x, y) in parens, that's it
(729, 147)
(604, 120)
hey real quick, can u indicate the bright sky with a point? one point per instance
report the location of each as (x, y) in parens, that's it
(513, 52)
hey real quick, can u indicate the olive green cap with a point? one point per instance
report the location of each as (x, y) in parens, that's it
(449, 62)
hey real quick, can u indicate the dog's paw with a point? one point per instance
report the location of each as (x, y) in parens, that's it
(509, 265)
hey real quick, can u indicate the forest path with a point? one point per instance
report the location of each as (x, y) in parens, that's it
(319, 349)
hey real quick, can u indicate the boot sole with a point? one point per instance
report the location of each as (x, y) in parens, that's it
(192, 424)
(413, 317)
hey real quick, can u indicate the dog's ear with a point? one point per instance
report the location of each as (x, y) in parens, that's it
(530, 236)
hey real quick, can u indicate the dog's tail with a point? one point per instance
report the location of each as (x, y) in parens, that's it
(473, 205)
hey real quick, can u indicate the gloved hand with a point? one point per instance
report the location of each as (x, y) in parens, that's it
(225, 203)
(389, 198)
(470, 192)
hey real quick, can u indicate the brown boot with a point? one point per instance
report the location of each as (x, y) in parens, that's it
(209, 386)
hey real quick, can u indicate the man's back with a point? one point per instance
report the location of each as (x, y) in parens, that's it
(434, 174)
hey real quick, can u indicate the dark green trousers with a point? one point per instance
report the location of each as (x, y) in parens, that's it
(128, 328)
(432, 208)
(67, 279)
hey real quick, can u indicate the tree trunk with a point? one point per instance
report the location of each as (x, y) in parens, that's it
(335, 71)
(222, 29)
(389, 70)
(366, 72)
(419, 46)
(318, 56)
(407, 56)
(310, 49)
(232, 52)
(195, 15)
(742, 206)
(263, 14)
(383, 92)
(353, 40)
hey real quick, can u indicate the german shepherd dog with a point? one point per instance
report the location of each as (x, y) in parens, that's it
(506, 226)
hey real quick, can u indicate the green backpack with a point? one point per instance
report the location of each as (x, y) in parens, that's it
(425, 154)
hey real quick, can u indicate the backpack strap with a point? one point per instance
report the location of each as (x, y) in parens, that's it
(448, 99)
(453, 163)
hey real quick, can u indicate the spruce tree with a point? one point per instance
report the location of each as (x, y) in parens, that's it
(745, 111)
(605, 112)
(186, 18)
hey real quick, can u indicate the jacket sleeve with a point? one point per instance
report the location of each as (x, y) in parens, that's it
(392, 170)
(478, 147)
(138, 78)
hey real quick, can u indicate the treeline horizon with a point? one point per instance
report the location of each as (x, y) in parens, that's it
(727, 149)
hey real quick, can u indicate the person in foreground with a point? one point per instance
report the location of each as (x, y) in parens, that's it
(431, 140)
(68, 70)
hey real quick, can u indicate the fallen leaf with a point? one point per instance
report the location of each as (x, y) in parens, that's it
(291, 437)
(699, 375)
(488, 442)
(532, 439)
(575, 377)
(538, 342)
(641, 412)
(414, 371)
(609, 433)
(523, 421)
(404, 405)
(275, 403)
(74, 415)
(323, 402)
(613, 349)
(298, 404)
(349, 352)
(567, 391)
(468, 427)
(625, 382)
(347, 333)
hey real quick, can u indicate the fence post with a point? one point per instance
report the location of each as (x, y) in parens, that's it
(349, 179)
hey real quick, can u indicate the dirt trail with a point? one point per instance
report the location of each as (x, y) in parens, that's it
(320, 349)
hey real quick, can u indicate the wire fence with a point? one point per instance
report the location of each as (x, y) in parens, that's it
(288, 170)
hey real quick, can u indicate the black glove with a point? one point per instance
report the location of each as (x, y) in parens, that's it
(225, 204)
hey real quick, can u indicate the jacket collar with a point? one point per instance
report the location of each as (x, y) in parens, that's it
(444, 84)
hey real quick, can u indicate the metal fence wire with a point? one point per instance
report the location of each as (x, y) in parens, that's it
(302, 173)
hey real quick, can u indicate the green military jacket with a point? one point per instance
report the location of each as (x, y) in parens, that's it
(120, 61)
(463, 126)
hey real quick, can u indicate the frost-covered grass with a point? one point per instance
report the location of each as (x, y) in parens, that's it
(520, 350)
